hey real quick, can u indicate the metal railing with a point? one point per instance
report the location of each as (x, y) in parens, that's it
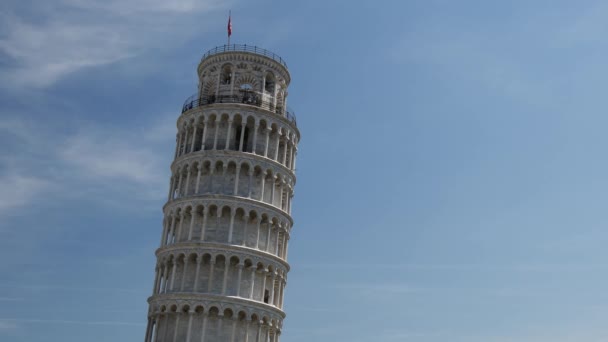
(246, 97)
(244, 48)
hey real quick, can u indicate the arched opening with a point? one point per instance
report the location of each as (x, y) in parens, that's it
(226, 77)
(269, 82)
(237, 138)
(248, 96)
(266, 296)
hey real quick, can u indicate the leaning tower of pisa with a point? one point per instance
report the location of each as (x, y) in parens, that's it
(222, 264)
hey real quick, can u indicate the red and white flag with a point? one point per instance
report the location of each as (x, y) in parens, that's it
(229, 25)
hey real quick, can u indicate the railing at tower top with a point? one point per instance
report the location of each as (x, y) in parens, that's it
(251, 98)
(244, 48)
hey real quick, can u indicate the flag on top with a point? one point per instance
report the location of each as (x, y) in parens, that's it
(229, 24)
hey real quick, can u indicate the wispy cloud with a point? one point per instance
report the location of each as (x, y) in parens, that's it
(10, 322)
(71, 288)
(18, 190)
(515, 63)
(7, 325)
(43, 51)
(94, 159)
(464, 267)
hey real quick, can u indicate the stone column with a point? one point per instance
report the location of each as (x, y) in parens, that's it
(231, 228)
(179, 184)
(199, 167)
(232, 83)
(204, 137)
(255, 137)
(272, 189)
(276, 249)
(253, 272)
(281, 195)
(165, 277)
(272, 281)
(267, 141)
(263, 174)
(192, 146)
(286, 249)
(257, 233)
(177, 317)
(224, 180)
(276, 151)
(258, 336)
(192, 219)
(234, 321)
(205, 216)
(186, 140)
(184, 271)
(247, 323)
(283, 283)
(236, 180)
(188, 170)
(268, 237)
(286, 146)
(239, 277)
(220, 321)
(171, 230)
(173, 269)
(157, 276)
(284, 244)
(204, 329)
(154, 329)
(181, 223)
(211, 269)
(199, 260)
(189, 332)
(245, 226)
(211, 172)
(178, 138)
(166, 327)
(170, 196)
(242, 138)
(217, 88)
(164, 234)
(228, 134)
(217, 129)
(226, 269)
(250, 182)
(264, 276)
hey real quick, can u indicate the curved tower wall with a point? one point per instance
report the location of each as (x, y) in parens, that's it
(222, 263)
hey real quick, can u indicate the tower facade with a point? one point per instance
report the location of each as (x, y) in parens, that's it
(222, 263)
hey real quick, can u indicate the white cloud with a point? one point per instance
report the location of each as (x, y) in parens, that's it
(130, 7)
(95, 159)
(19, 190)
(10, 322)
(116, 156)
(7, 325)
(94, 33)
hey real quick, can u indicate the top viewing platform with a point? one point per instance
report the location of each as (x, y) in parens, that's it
(244, 75)
(244, 48)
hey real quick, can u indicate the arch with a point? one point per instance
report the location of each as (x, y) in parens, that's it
(208, 90)
(247, 82)
(269, 82)
(226, 75)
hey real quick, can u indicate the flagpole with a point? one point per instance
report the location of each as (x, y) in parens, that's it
(229, 24)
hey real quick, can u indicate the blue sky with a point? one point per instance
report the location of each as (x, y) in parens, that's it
(451, 174)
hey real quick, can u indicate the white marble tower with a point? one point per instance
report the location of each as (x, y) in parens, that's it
(222, 264)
